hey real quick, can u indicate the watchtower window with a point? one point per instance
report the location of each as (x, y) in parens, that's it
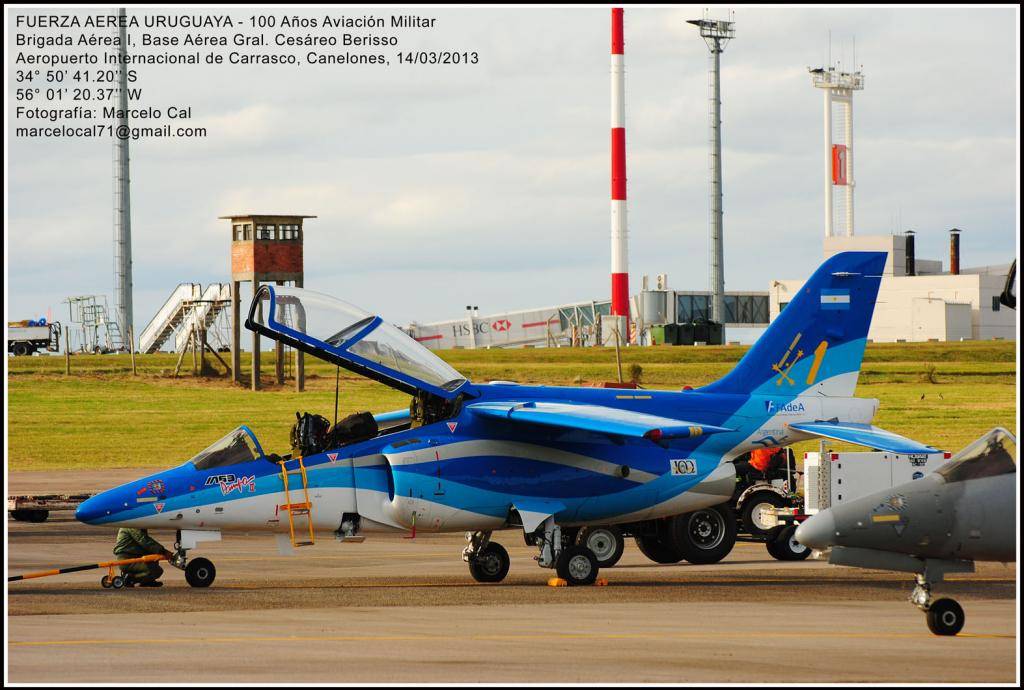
(265, 232)
(288, 232)
(246, 232)
(237, 232)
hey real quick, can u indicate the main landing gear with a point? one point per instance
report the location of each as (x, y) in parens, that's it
(570, 555)
(944, 616)
(488, 560)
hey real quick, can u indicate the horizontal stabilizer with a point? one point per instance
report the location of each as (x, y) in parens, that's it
(596, 418)
(863, 435)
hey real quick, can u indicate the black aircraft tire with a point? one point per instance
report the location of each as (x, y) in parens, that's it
(945, 617)
(491, 564)
(752, 503)
(605, 541)
(657, 549)
(704, 536)
(783, 547)
(200, 572)
(577, 565)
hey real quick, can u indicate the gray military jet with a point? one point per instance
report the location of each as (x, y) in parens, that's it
(932, 526)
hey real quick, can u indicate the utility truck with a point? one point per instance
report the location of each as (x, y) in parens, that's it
(27, 337)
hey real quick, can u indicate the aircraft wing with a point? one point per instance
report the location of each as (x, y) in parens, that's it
(863, 435)
(596, 418)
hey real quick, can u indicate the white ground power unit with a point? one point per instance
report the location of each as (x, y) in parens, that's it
(831, 478)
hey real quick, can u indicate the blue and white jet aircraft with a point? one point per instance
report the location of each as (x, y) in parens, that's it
(574, 468)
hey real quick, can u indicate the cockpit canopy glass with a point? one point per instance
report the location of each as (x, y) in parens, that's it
(993, 454)
(339, 327)
(235, 448)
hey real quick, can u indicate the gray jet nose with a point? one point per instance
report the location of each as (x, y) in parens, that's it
(818, 531)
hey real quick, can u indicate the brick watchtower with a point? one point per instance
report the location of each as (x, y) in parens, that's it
(264, 249)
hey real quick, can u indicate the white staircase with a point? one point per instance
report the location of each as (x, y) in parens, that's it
(215, 298)
(168, 318)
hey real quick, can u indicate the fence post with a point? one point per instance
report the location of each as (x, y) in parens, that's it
(618, 354)
(67, 353)
(131, 348)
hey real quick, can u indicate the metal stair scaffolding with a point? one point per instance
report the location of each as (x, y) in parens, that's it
(300, 509)
(215, 298)
(168, 318)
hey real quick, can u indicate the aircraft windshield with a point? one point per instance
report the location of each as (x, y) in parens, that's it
(993, 454)
(321, 320)
(236, 447)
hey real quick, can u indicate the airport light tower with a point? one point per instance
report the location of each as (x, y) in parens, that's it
(716, 33)
(838, 87)
(123, 310)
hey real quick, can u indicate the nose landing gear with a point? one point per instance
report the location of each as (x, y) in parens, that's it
(199, 572)
(944, 616)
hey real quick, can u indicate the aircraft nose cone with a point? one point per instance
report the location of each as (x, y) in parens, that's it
(100, 508)
(818, 531)
(90, 510)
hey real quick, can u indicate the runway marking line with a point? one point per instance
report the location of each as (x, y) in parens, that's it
(636, 583)
(489, 638)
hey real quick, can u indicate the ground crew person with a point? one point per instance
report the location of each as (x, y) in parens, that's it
(135, 543)
(760, 461)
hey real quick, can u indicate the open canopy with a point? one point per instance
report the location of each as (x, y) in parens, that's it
(342, 334)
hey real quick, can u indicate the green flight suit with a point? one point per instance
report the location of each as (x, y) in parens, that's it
(134, 543)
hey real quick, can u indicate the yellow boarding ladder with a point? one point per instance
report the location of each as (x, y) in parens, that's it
(294, 509)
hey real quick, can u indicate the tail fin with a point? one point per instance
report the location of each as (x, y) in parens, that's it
(816, 343)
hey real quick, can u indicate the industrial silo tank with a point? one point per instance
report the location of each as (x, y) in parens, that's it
(654, 305)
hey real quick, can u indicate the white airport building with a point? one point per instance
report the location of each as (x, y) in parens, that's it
(918, 300)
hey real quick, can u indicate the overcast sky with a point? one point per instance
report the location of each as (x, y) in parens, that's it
(440, 187)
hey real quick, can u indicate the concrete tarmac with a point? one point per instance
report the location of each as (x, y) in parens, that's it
(401, 610)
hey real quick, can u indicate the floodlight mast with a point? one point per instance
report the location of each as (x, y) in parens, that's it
(123, 310)
(716, 33)
(838, 87)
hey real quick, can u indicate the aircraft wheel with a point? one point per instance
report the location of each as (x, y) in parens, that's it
(706, 535)
(657, 549)
(200, 572)
(945, 617)
(491, 564)
(750, 516)
(577, 565)
(105, 582)
(785, 547)
(605, 541)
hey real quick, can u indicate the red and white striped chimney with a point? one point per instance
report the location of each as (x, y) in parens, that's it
(620, 246)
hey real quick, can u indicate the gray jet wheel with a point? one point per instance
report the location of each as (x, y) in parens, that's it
(577, 565)
(491, 564)
(605, 541)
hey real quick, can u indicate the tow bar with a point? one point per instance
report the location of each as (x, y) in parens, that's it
(111, 579)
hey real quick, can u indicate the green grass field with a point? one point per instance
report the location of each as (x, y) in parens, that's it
(101, 416)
